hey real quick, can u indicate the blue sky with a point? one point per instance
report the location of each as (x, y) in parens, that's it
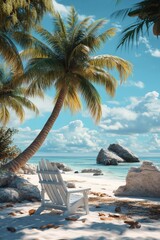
(131, 118)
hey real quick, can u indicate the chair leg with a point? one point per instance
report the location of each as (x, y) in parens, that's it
(39, 210)
(86, 202)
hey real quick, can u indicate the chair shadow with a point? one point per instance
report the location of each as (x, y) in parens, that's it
(105, 228)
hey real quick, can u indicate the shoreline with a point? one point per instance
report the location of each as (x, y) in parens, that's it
(118, 172)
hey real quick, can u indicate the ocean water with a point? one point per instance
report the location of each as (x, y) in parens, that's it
(78, 163)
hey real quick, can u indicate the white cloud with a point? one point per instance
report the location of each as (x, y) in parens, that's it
(117, 113)
(61, 8)
(140, 116)
(72, 138)
(138, 84)
(64, 10)
(153, 52)
(137, 55)
(118, 26)
(156, 141)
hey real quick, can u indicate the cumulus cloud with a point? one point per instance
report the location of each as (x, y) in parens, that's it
(118, 113)
(141, 115)
(71, 138)
(154, 52)
(137, 84)
(64, 10)
(135, 125)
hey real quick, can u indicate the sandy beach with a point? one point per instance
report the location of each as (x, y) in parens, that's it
(106, 219)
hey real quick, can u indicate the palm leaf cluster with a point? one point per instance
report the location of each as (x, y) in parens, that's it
(12, 97)
(22, 15)
(65, 60)
(148, 15)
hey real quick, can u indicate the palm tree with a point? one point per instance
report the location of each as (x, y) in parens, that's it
(12, 96)
(66, 62)
(148, 15)
(18, 16)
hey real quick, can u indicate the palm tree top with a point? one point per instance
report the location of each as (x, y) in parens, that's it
(148, 15)
(67, 61)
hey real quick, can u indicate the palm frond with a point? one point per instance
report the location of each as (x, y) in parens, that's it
(95, 42)
(33, 53)
(23, 15)
(12, 97)
(4, 115)
(59, 25)
(10, 53)
(121, 13)
(78, 33)
(110, 62)
(95, 26)
(41, 68)
(100, 76)
(107, 34)
(147, 13)
(72, 100)
(72, 18)
(46, 35)
(27, 41)
(133, 32)
(27, 103)
(16, 106)
(91, 97)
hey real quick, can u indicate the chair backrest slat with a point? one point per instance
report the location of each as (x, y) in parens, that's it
(52, 182)
(45, 177)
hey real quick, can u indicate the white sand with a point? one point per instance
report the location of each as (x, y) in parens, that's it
(92, 228)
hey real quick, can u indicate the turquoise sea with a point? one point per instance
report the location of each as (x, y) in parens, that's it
(79, 163)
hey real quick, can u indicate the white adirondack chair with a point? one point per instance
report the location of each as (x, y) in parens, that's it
(59, 196)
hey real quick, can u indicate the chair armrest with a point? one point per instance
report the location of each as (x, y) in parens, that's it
(79, 190)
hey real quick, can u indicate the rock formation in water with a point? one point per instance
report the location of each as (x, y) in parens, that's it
(115, 154)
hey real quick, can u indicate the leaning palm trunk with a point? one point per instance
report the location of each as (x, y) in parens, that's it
(15, 164)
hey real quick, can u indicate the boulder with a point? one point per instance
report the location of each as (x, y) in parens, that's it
(27, 190)
(107, 157)
(141, 181)
(97, 174)
(9, 195)
(6, 178)
(62, 166)
(70, 185)
(17, 189)
(123, 153)
(92, 170)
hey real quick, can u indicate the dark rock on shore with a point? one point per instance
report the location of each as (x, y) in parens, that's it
(62, 166)
(16, 189)
(106, 157)
(123, 153)
(91, 170)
